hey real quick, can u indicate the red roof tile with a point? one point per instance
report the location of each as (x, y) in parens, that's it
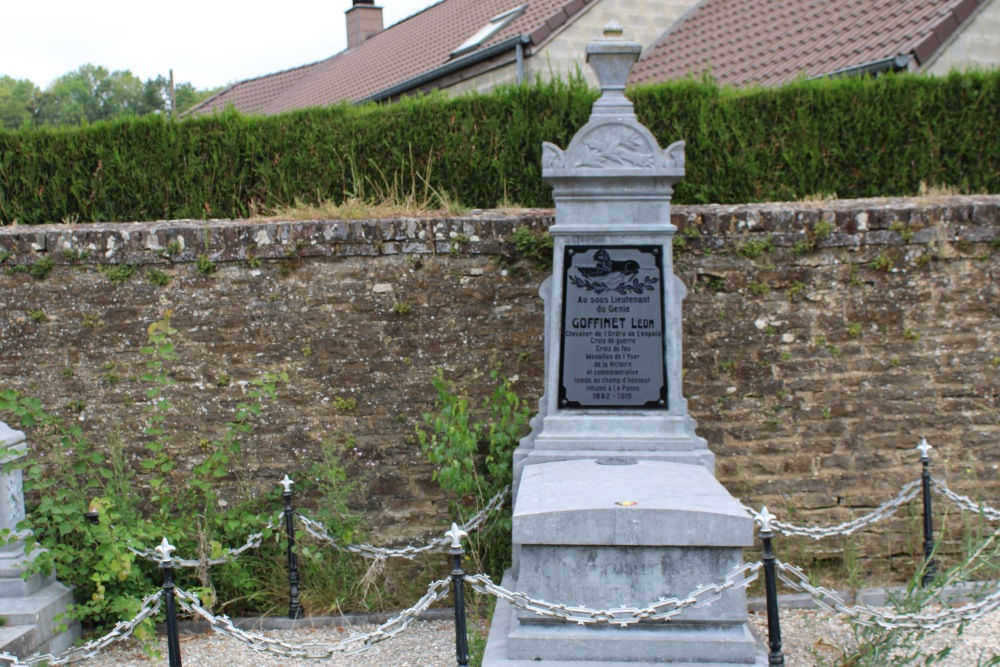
(418, 45)
(768, 42)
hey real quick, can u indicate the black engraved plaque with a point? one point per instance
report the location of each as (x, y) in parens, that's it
(612, 352)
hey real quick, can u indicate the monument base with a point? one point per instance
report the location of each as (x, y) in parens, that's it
(620, 531)
(686, 646)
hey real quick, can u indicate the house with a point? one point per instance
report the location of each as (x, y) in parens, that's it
(463, 45)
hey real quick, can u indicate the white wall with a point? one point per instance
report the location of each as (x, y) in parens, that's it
(977, 47)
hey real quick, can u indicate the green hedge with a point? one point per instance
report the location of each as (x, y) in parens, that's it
(851, 137)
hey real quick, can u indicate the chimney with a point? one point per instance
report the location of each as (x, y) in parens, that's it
(364, 19)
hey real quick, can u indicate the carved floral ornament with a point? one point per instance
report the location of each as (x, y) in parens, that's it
(613, 145)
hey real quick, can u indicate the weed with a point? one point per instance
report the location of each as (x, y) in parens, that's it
(205, 266)
(882, 262)
(38, 316)
(223, 379)
(770, 331)
(894, 361)
(402, 307)
(253, 262)
(273, 296)
(307, 351)
(346, 404)
(854, 329)
(92, 321)
(910, 334)
(716, 284)
(473, 458)
(157, 277)
(117, 273)
(533, 245)
(826, 412)
(727, 365)
(756, 247)
(68, 373)
(759, 288)
(904, 232)
(75, 254)
(786, 356)
(173, 248)
(795, 288)
(995, 362)
(41, 269)
(457, 242)
(5, 255)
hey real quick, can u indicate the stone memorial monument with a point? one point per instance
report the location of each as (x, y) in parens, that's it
(615, 500)
(30, 605)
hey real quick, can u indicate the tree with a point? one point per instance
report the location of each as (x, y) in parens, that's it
(92, 93)
(18, 100)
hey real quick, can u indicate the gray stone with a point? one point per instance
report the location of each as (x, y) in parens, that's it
(615, 499)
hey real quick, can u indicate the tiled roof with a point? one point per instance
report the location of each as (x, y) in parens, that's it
(768, 42)
(402, 52)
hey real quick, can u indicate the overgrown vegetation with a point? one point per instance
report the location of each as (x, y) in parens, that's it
(858, 137)
(472, 449)
(143, 493)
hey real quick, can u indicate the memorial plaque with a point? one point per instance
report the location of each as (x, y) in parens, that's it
(612, 353)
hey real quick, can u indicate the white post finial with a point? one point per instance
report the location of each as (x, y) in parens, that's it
(764, 519)
(924, 449)
(456, 534)
(164, 551)
(287, 483)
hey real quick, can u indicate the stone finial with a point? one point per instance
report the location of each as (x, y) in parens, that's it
(287, 483)
(456, 534)
(924, 449)
(611, 57)
(164, 550)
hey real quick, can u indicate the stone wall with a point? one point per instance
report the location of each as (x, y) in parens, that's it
(821, 341)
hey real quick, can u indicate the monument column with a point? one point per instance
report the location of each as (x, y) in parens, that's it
(616, 504)
(613, 304)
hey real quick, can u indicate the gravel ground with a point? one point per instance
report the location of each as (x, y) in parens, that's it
(811, 639)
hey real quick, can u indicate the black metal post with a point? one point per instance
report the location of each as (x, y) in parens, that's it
(173, 639)
(925, 478)
(775, 658)
(458, 590)
(294, 606)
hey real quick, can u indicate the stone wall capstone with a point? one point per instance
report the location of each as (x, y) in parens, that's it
(821, 341)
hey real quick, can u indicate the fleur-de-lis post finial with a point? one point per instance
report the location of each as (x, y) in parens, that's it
(164, 550)
(764, 519)
(287, 483)
(924, 449)
(456, 534)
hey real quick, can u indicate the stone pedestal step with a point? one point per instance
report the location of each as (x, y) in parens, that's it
(32, 626)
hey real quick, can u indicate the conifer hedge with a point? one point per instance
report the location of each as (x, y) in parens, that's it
(853, 137)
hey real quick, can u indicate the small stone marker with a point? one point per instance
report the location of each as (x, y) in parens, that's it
(615, 499)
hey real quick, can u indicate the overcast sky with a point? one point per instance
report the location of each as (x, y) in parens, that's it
(206, 42)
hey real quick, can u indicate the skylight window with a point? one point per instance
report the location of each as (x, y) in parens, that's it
(496, 24)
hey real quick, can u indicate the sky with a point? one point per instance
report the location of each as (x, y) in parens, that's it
(208, 43)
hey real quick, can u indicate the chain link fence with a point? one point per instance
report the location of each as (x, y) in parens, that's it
(662, 610)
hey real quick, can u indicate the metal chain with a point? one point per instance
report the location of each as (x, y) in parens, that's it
(883, 511)
(967, 503)
(123, 630)
(663, 609)
(353, 644)
(318, 530)
(253, 542)
(865, 615)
